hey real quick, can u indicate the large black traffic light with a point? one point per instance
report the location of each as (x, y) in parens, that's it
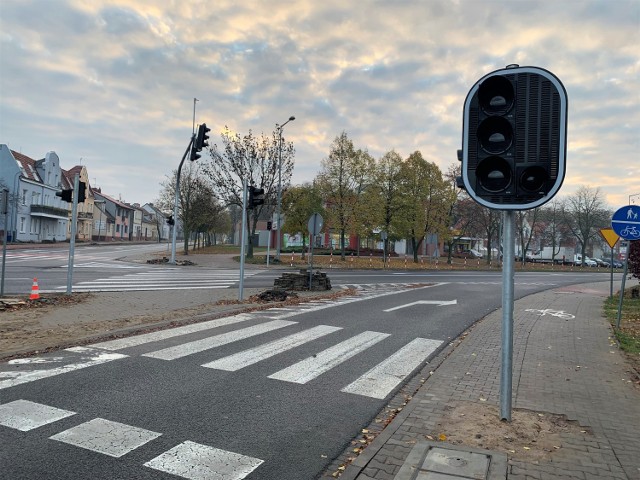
(256, 197)
(200, 141)
(514, 138)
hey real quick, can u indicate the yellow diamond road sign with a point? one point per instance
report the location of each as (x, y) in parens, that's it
(610, 236)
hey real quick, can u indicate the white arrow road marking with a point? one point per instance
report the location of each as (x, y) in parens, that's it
(424, 302)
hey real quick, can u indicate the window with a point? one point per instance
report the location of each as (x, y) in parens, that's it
(24, 197)
(117, 228)
(34, 197)
(22, 223)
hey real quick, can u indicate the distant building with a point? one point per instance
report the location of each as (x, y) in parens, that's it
(35, 213)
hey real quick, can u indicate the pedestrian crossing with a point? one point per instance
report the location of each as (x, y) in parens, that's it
(161, 279)
(375, 380)
(190, 460)
(381, 382)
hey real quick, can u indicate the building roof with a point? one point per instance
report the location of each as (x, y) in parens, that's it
(27, 165)
(112, 200)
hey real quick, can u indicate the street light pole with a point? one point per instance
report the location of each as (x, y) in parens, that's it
(279, 229)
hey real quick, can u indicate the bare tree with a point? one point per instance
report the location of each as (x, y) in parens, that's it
(527, 225)
(584, 213)
(259, 160)
(193, 188)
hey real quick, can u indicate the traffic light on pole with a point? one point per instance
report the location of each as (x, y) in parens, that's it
(170, 220)
(82, 190)
(200, 141)
(256, 197)
(66, 195)
(514, 138)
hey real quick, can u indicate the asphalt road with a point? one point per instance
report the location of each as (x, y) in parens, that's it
(275, 394)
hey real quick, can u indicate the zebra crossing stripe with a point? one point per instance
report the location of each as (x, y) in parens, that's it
(312, 367)
(106, 437)
(384, 377)
(90, 358)
(179, 351)
(24, 415)
(195, 461)
(254, 355)
(127, 342)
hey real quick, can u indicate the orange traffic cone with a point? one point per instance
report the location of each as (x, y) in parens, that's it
(35, 295)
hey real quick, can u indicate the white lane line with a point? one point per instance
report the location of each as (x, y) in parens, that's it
(312, 367)
(254, 355)
(179, 351)
(93, 357)
(24, 415)
(106, 437)
(134, 341)
(384, 377)
(195, 461)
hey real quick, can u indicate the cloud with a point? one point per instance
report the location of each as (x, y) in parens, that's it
(113, 81)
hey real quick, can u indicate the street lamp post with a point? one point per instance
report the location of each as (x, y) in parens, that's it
(278, 229)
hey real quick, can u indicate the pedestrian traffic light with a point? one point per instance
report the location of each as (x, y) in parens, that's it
(66, 195)
(170, 220)
(256, 197)
(514, 138)
(82, 189)
(200, 141)
(269, 225)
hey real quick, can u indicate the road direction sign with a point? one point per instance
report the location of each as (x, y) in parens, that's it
(626, 222)
(609, 236)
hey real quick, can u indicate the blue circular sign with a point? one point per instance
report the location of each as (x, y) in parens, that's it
(626, 222)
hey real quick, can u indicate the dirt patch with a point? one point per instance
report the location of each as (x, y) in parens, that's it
(530, 436)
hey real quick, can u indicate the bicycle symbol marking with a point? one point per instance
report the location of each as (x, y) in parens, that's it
(630, 231)
(553, 313)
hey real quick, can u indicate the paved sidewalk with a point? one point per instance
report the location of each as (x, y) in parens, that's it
(560, 366)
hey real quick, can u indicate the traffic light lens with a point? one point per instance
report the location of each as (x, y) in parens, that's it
(496, 95)
(495, 135)
(494, 174)
(533, 179)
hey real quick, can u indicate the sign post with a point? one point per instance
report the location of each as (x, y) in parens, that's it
(626, 223)
(611, 238)
(315, 226)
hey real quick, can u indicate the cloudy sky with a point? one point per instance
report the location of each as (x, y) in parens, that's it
(110, 83)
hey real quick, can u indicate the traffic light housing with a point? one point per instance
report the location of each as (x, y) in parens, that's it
(269, 225)
(256, 197)
(82, 191)
(66, 195)
(170, 220)
(514, 138)
(200, 141)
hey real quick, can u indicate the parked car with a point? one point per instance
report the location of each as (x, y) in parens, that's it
(617, 264)
(601, 263)
(589, 262)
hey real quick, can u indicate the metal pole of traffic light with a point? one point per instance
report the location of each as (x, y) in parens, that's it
(279, 227)
(72, 243)
(4, 211)
(508, 260)
(174, 235)
(243, 238)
